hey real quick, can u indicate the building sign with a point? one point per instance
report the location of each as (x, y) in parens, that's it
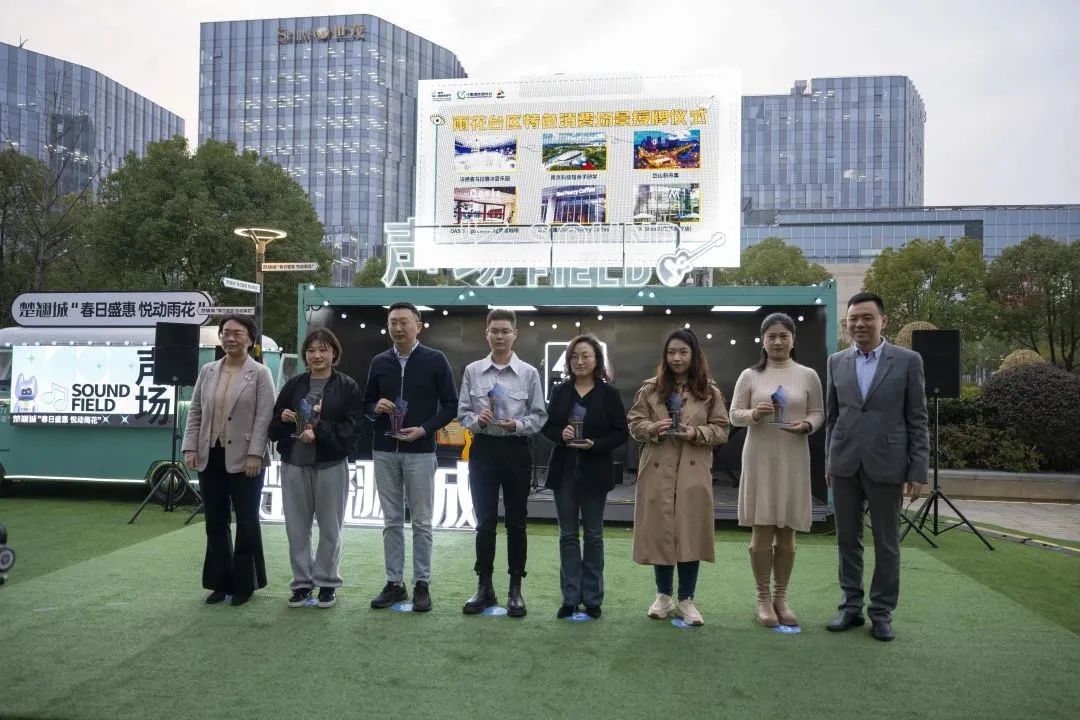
(222, 310)
(578, 172)
(289, 267)
(672, 263)
(453, 508)
(87, 386)
(109, 309)
(241, 285)
(321, 34)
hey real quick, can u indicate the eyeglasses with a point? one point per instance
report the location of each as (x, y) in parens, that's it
(582, 358)
(234, 334)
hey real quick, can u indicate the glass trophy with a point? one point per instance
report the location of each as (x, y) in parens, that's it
(397, 417)
(780, 403)
(577, 421)
(674, 406)
(305, 417)
(495, 402)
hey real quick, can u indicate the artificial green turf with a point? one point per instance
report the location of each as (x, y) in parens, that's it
(120, 630)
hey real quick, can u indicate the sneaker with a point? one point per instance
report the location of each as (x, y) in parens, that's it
(327, 597)
(661, 607)
(391, 593)
(299, 597)
(689, 612)
(566, 611)
(216, 597)
(593, 611)
(421, 597)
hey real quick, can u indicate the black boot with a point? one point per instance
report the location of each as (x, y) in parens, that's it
(515, 603)
(483, 598)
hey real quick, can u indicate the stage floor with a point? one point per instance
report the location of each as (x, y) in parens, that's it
(620, 503)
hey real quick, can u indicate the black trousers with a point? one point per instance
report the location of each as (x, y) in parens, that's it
(500, 463)
(238, 570)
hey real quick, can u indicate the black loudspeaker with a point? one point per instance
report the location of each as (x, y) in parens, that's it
(940, 350)
(176, 353)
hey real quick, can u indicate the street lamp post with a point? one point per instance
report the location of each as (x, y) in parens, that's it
(261, 237)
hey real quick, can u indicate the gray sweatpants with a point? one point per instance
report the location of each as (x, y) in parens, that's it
(400, 477)
(309, 492)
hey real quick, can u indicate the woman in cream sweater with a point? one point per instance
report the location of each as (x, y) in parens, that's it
(780, 401)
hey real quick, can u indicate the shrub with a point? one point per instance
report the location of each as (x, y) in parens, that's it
(1021, 357)
(903, 338)
(1040, 406)
(966, 408)
(974, 445)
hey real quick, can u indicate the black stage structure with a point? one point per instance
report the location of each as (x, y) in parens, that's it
(632, 322)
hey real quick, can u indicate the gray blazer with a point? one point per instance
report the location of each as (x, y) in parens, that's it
(886, 433)
(249, 405)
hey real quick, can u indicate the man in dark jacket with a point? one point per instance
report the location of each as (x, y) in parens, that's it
(411, 395)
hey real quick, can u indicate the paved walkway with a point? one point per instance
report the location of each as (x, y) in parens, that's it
(1052, 520)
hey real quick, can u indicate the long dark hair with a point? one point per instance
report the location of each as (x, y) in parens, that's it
(774, 319)
(697, 380)
(600, 372)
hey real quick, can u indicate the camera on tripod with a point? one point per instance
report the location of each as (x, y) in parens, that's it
(7, 555)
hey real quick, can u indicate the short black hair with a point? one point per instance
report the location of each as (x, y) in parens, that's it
(502, 314)
(402, 305)
(864, 296)
(247, 322)
(324, 336)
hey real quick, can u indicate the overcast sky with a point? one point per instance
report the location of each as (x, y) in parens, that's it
(999, 77)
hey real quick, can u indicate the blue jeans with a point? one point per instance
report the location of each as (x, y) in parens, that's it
(401, 476)
(665, 578)
(581, 575)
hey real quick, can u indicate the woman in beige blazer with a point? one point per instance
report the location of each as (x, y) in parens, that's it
(673, 510)
(225, 440)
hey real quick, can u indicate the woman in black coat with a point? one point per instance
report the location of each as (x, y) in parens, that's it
(580, 471)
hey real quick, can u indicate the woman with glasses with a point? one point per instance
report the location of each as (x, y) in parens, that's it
(225, 440)
(678, 416)
(587, 422)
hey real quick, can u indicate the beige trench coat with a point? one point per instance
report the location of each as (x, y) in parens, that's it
(673, 510)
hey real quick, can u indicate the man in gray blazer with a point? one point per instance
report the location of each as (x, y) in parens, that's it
(876, 445)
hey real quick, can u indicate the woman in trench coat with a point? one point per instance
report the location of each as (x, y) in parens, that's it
(673, 511)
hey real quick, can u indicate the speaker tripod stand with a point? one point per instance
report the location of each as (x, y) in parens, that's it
(175, 475)
(936, 495)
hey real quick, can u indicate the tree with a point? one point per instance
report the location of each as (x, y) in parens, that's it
(166, 220)
(933, 281)
(370, 275)
(1036, 285)
(772, 262)
(39, 224)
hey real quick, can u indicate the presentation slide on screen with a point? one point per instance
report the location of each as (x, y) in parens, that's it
(570, 171)
(87, 386)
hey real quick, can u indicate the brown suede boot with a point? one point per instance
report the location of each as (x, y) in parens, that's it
(783, 562)
(761, 562)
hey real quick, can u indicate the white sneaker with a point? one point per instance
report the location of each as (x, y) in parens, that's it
(661, 607)
(689, 612)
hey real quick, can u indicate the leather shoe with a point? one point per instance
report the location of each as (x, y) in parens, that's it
(845, 620)
(239, 599)
(882, 630)
(482, 599)
(215, 597)
(566, 611)
(515, 603)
